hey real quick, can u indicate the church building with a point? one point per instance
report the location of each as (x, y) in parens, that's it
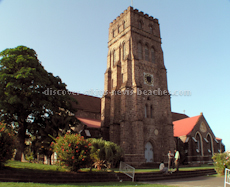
(135, 110)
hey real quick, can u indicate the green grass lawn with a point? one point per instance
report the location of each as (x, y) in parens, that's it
(43, 167)
(98, 184)
(33, 166)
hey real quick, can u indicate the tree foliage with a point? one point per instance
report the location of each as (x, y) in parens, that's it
(23, 82)
(221, 161)
(7, 143)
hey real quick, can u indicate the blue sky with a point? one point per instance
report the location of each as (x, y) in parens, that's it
(70, 38)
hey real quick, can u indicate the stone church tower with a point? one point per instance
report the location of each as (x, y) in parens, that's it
(135, 109)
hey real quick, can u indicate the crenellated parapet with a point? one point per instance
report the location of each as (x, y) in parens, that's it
(136, 11)
(133, 20)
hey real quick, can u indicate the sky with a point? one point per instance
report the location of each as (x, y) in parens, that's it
(70, 38)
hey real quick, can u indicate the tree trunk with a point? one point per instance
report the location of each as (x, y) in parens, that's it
(21, 142)
(38, 157)
(50, 158)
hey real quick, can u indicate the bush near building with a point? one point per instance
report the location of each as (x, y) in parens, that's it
(105, 153)
(221, 161)
(73, 151)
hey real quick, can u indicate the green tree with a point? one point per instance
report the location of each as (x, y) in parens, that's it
(25, 97)
(43, 134)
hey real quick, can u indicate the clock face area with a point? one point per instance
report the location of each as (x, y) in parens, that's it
(203, 127)
(148, 79)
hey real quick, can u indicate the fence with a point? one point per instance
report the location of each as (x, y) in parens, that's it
(127, 169)
(226, 177)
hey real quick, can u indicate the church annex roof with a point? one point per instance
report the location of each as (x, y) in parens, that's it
(178, 116)
(91, 123)
(87, 103)
(184, 126)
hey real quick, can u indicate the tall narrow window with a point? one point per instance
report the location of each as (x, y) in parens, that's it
(151, 29)
(139, 46)
(209, 144)
(146, 53)
(140, 25)
(123, 52)
(122, 78)
(118, 28)
(114, 57)
(151, 111)
(199, 149)
(113, 33)
(152, 55)
(124, 25)
(146, 111)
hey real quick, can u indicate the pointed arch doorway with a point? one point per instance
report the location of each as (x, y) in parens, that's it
(148, 152)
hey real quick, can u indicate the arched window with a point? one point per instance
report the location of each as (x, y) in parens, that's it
(123, 51)
(199, 149)
(124, 25)
(152, 55)
(114, 57)
(113, 33)
(118, 29)
(139, 47)
(146, 53)
(210, 151)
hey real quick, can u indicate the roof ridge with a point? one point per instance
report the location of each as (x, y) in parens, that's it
(76, 93)
(187, 118)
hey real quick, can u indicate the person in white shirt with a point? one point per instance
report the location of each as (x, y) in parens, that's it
(177, 160)
(162, 168)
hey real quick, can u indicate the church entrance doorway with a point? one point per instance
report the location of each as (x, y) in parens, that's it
(148, 152)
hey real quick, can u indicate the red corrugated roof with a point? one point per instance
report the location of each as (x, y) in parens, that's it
(91, 123)
(184, 126)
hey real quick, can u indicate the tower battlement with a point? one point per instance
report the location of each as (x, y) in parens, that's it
(136, 11)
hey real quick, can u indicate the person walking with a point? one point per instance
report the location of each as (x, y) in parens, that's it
(177, 160)
(170, 160)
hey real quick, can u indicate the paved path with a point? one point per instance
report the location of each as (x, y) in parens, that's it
(194, 182)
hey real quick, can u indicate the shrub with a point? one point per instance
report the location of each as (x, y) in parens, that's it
(72, 150)
(221, 161)
(105, 153)
(29, 154)
(7, 143)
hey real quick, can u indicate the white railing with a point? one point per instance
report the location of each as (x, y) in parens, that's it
(127, 169)
(226, 177)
